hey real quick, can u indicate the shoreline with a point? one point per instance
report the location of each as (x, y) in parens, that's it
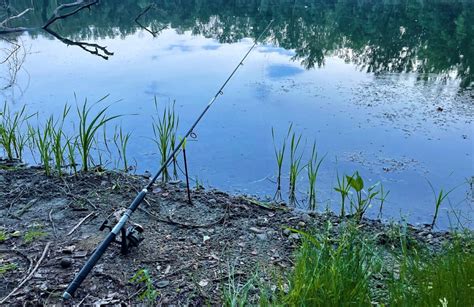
(192, 247)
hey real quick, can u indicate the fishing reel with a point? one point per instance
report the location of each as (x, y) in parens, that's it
(131, 236)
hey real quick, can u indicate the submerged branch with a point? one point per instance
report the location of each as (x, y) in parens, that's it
(94, 49)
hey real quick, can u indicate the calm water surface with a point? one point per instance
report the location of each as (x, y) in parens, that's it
(384, 89)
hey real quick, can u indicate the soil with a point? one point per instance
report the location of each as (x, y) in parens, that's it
(189, 250)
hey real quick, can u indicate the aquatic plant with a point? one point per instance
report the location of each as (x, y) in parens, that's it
(42, 140)
(149, 294)
(295, 165)
(59, 141)
(33, 234)
(439, 198)
(343, 187)
(313, 168)
(382, 198)
(7, 267)
(280, 155)
(121, 141)
(72, 144)
(360, 204)
(12, 138)
(164, 130)
(88, 128)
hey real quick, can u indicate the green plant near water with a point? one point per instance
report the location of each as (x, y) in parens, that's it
(121, 140)
(33, 234)
(439, 198)
(7, 267)
(3, 236)
(343, 187)
(88, 126)
(332, 271)
(164, 130)
(361, 203)
(295, 165)
(59, 141)
(71, 145)
(280, 156)
(42, 140)
(427, 279)
(12, 137)
(149, 294)
(237, 294)
(313, 169)
(382, 198)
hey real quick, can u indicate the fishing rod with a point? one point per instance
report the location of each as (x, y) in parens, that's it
(131, 235)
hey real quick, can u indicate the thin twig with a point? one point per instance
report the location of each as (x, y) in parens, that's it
(30, 275)
(80, 223)
(52, 223)
(2, 24)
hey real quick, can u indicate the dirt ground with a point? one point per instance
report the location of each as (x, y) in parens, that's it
(190, 250)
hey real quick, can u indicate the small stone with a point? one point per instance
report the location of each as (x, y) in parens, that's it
(294, 236)
(256, 230)
(305, 217)
(212, 201)
(302, 224)
(203, 283)
(66, 262)
(286, 232)
(68, 249)
(162, 284)
(262, 222)
(262, 236)
(80, 254)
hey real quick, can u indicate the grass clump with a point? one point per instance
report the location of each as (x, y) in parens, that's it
(279, 155)
(332, 271)
(12, 137)
(164, 130)
(7, 267)
(148, 293)
(121, 140)
(295, 165)
(88, 126)
(446, 278)
(3, 236)
(313, 169)
(33, 234)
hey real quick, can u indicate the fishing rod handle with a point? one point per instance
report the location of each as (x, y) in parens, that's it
(91, 262)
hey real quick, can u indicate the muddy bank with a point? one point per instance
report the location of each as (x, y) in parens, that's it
(190, 250)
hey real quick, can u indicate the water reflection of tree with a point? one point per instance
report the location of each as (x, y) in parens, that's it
(379, 36)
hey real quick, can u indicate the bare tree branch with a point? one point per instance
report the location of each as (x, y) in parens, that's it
(94, 49)
(81, 4)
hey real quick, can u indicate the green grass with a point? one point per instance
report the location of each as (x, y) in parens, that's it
(33, 235)
(428, 280)
(331, 271)
(280, 156)
(295, 165)
(143, 279)
(7, 267)
(164, 130)
(362, 200)
(313, 169)
(343, 188)
(121, 140)
(88, 127)
(236, 294)
(439, 199)
(3, 236)
(13, 138)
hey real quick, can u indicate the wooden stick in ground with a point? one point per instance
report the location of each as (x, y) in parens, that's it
(30, 275)
(80, 223)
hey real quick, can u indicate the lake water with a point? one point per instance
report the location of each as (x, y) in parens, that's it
(383, 87)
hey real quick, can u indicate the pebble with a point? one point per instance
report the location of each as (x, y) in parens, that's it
(262, 236)
(162, 284)
(212, 201)
(286, 232)
(66, 262)
(256, 230)
(294, 236)
(302, 224)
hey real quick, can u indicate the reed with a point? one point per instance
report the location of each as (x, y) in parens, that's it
(43, 143)
(313, 169)
(382, 198)
(12, 137)
(439, 199)
(343, 187)
(59, 141)
(88, 127)
(121, 142)
(164, 130)
(280, 156)
(295, 166)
